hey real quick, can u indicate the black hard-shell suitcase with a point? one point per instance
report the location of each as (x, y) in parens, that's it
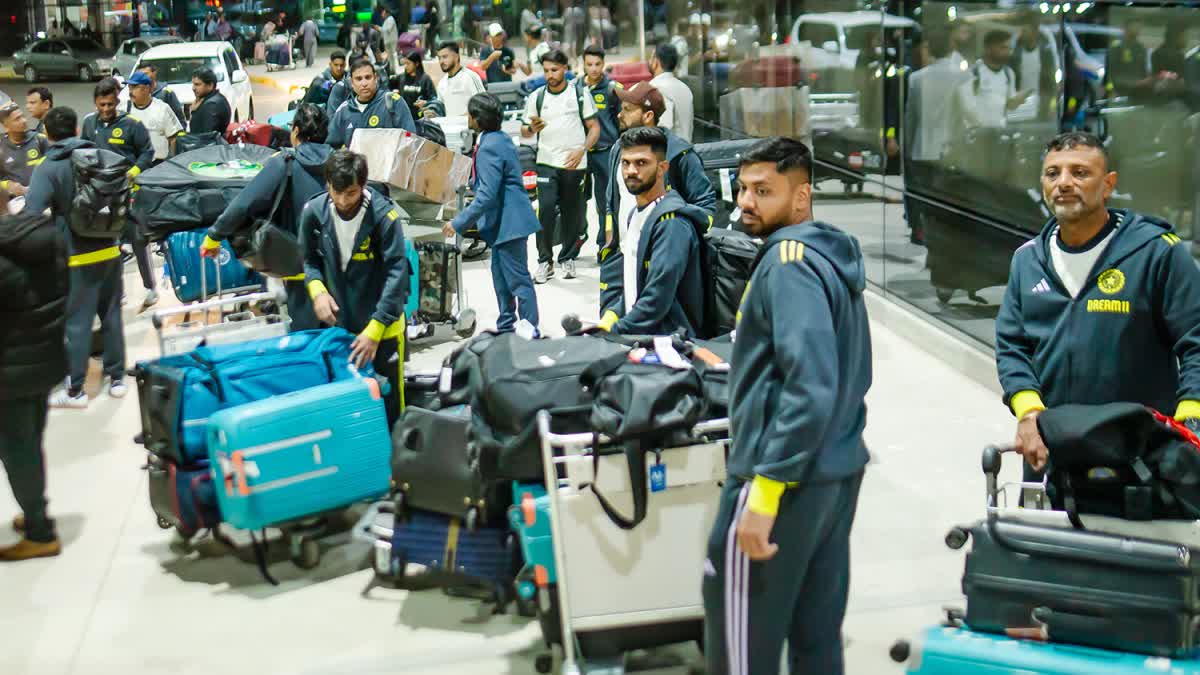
(1086, 588)
(432, 472)
(509, 93)
(720, 160)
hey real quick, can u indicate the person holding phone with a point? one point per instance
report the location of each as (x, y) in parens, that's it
(987, 97)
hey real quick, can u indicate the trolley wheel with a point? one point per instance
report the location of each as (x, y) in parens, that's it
(956, 538)
(900, 651)
(163, 523)
(543, 663)
(306, 553)
(473, 248)
(471, 521)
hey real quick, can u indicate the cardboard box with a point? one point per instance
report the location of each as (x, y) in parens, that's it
(768, 111)
(419, 169)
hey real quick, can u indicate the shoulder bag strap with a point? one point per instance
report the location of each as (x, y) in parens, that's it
(635, 456)
(283, 186)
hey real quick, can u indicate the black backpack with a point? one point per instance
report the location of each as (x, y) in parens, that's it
(100, 207)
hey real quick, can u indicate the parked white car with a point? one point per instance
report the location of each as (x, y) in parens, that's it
(128, 52)
(176, 62)
(829, 42)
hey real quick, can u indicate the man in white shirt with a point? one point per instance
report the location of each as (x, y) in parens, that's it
(564, 121)
(990, 93)
(310, 35)
(459, 84)
(680, 107)
(156, 116)
(391, 32)
(538, 48)
(931, 92)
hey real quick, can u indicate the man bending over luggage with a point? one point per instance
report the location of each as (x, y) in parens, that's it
(306, 180)
(356, 269)
(504, 220)
(371, 107)
(33, 285)
(95, 266)
(664, 292)
(642, 106)
(778, 567)
(1103, 306)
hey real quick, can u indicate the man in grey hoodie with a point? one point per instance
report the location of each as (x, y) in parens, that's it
(778, 567)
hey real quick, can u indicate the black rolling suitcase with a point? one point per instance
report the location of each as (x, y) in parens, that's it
(432, 472)
(720, 160)
(1084, 588)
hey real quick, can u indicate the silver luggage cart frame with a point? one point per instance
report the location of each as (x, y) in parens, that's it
(462, 322)
(558, 451)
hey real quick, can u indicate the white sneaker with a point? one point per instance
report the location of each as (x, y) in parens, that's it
(544, 271)
(150, 300)
(118, 389)
(63, 399)
(569, 269)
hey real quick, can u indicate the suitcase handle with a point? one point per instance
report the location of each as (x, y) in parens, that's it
(239, 473)
(1058, 622)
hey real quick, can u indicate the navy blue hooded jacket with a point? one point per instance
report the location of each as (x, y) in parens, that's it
(255, 200)
(1132, 334)
(607, 107)
(685, 175)
(52, 186)
(374, 284)
(386, 111)
(124, 135)
(501, 209)
(801, 363)
(670, 293)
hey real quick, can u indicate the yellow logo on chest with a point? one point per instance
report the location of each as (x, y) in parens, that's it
(1111, 281)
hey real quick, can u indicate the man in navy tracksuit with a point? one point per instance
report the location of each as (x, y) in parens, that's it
(660, 261)
(111, 129)
(642, 106)
(321, 89)
(371, 107)
(778, 568)
(95, 267)
(603, 93)
(502, 213)
(356, 268)
(307, 160)
(1104, 306)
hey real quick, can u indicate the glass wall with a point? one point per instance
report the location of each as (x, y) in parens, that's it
(928, 119)
(574, 24)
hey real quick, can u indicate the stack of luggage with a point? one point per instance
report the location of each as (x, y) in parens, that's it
(1104, 579)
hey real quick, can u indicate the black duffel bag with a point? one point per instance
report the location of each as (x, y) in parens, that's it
(267, 247)
(188, 142)
(1122, 460)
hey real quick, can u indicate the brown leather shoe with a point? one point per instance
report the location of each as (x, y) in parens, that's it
(27, 550)
(19, 522)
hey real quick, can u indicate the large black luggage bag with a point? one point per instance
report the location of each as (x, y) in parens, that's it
(730, 257)
(1083, 587)
(432, 472)
(192, 189)
(720, 160)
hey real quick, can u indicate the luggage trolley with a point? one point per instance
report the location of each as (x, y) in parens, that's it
(617, 590)
(279, 52)
(461, 320)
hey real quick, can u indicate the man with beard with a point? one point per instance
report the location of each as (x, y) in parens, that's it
(371, 107)
(1102, 307)
(642, 105)
(664, 290)
(778, 567)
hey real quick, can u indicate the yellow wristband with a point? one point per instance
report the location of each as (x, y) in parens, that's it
(1187, 409)
(609, 320)
(316, 288)
(764, 496)
(134, 172)
(1025, 401)
(374, 330)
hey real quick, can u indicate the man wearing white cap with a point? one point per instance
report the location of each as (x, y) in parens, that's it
(496, 58)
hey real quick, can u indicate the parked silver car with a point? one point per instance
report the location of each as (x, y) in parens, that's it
(129, 51)
(63, 57)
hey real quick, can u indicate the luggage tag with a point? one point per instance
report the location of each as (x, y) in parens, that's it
(658, 473)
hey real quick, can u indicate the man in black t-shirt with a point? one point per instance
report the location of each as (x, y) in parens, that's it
(496, 58)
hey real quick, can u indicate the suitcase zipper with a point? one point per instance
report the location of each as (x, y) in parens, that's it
(1093, 596)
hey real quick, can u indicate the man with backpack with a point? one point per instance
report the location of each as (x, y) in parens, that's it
(602, 90)
(118, 132)
(664, 290)
(642, 105)
(94, 256)
(161, 91)
(371, 107)
(300, 173)
(987, 97)
(320, 91)
(563, 118)
(33, 289)
(778, 566)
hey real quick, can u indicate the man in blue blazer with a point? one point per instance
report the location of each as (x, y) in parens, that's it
(502, 213)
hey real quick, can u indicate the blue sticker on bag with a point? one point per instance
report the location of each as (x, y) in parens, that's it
(658, 478)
